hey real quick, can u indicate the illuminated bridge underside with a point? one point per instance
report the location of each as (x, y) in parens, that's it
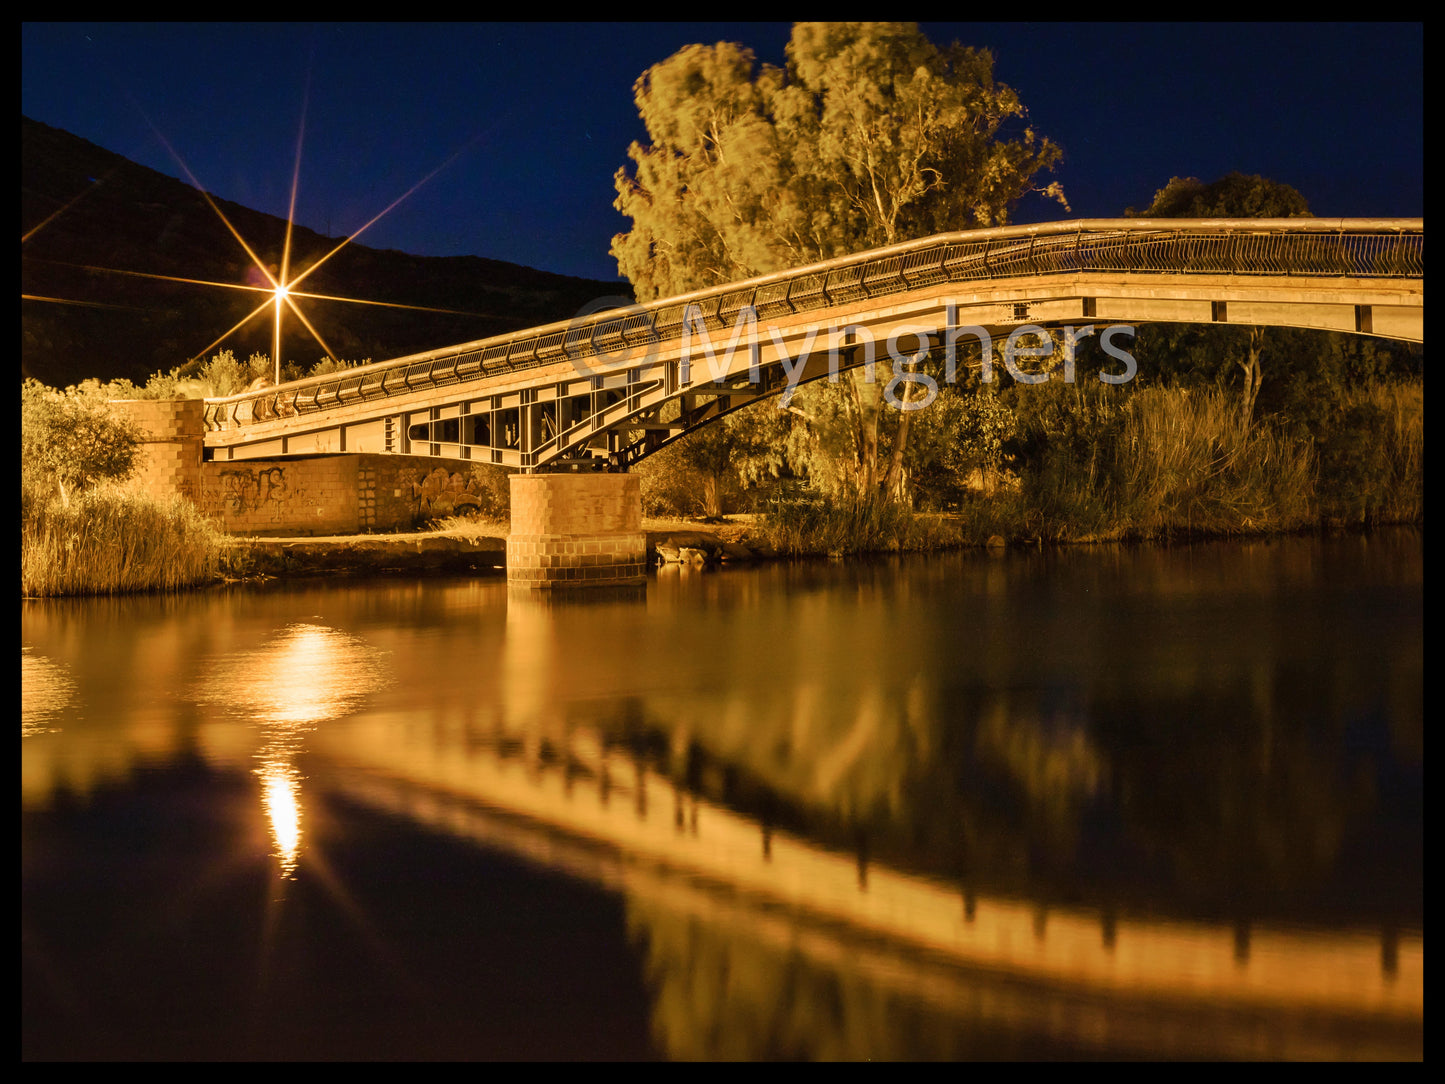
(578, 391)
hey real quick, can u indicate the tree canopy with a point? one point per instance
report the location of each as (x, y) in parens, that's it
(871, 134)
(1234, 196)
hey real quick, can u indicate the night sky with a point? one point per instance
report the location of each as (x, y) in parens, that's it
(528, 123)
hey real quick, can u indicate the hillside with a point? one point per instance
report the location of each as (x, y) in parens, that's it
(122, 217)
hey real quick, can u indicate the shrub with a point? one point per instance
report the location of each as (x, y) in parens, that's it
(1371, 456)
(492, 487)
(71, 440)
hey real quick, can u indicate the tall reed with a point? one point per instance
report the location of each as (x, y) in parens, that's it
(1187, 461)
(1372, 456)
(110, 542)
(1167, 461)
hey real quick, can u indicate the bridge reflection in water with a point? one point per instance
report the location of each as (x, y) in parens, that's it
(762, 940)
(1080, 978)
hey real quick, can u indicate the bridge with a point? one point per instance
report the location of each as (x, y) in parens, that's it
(596, 388)
(600, 392)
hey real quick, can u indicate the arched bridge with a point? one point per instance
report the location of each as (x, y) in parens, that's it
(609, 388)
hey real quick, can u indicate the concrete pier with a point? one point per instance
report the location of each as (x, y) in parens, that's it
(576, 530)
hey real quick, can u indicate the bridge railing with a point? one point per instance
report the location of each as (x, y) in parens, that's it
(1352, 248)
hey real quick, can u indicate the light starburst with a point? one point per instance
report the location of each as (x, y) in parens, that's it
(280, 293)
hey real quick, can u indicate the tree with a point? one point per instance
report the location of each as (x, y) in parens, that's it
(1232, 196)
(71, 440)
(701, 471)
(870, 135)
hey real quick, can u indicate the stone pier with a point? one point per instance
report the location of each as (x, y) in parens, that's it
(172, 432)
(576, 530)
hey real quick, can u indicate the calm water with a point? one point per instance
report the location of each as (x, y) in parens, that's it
(1099, 803)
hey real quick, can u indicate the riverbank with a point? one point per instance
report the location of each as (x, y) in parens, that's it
(468, 547)
(479, 548)
(473, 547)
(1163, 465)
(109, 543)
(364, 555)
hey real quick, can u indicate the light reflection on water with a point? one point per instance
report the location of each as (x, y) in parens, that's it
(45, 691)
(1230, 715)
(282, 791)
(303, 676)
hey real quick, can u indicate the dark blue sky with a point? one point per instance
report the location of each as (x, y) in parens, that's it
(534, 119)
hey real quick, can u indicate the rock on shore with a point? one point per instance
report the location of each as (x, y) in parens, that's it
(697, 547)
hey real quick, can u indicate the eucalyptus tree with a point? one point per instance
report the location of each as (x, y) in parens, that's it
(869, 135)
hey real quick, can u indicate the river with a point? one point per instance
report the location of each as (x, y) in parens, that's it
(1100, 802)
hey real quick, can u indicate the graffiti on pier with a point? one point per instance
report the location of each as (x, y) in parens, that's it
(249, 491)
(441, 492)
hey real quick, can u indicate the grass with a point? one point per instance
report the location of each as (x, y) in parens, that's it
(472, 526)
(110, 542)
(1187, 463)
